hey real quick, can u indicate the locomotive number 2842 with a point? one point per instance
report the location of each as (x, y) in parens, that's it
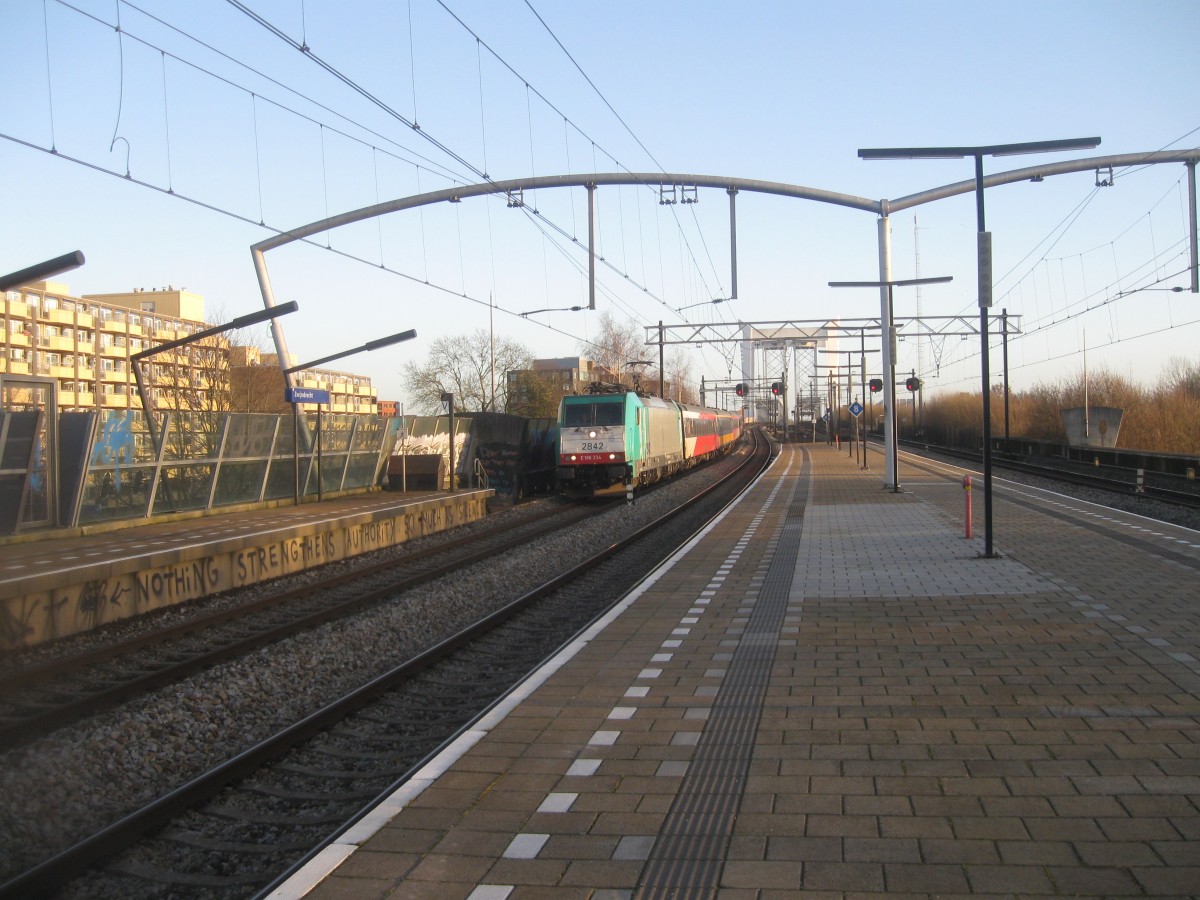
(587, 446)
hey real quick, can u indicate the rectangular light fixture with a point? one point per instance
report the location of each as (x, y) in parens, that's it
(984, 150)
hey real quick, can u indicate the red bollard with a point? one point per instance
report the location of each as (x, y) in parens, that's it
(837, 442)
(967, 491)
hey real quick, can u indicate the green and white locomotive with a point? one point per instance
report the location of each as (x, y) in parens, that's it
(613, 439)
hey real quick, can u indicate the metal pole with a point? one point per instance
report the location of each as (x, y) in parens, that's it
(986, 374)
(591, 189)
(852, 450)
(890, 385)
(320, 474)
(862, 360)
(1004, 327)
(783, 410)
(662, 375)
(296, 453)
(889, 363)
(449, 398)
(1191, 170)
(732, 242)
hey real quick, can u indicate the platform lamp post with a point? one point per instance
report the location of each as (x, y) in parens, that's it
(890, 437)
(291, 398)
(43, 270)
(984, 254)
(245, 321)
(38, 272)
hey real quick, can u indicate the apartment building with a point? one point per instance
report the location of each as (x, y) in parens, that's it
(84, 344)
(537, 391)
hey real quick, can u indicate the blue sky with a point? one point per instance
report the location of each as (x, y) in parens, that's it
(197, 105)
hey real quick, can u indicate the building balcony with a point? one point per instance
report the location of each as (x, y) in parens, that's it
(61, 371)
(115, 401)
(14, 367)
(59, 316)
(75, 400)
(116, 377)
(18, 339)
(85, 347)
(57, 342)
(112, 351)
(17, 309)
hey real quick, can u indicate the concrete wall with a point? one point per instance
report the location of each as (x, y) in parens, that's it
(42, 608)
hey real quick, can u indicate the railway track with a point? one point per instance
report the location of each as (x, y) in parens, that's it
(242, 826)
(1126, 484)
(47, 696)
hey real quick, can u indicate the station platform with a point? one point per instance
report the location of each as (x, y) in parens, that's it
(830, 692)
(58, 584)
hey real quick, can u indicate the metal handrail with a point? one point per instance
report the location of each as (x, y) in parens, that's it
(481, 475)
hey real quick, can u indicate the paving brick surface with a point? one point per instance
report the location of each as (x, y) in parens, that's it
(910, 720)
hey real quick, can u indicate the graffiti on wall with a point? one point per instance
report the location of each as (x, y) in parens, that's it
(115, 447)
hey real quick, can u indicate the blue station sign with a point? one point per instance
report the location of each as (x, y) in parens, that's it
(305, 395)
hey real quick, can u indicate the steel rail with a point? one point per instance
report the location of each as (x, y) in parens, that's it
(1099, 482)
(111, 840)
(22, 730)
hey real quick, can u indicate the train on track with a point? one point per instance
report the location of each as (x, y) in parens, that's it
(613, 440)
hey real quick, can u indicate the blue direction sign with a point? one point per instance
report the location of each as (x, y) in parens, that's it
(856, 409)
(305, 395)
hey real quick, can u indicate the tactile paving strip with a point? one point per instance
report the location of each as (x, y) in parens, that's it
(690, 851)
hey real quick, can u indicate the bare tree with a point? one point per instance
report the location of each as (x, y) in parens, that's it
(618, 344)
(679, 381)
(462, 365)
(534, 394)
(1180, 375)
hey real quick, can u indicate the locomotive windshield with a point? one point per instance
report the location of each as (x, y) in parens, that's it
(581, 415)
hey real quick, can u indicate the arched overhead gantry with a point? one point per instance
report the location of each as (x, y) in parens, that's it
(514, 189)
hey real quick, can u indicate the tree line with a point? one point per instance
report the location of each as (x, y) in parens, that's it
(1163, 417)
(493, 373)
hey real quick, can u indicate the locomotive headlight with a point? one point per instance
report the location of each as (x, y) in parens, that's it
(612, 456)
(592, 433)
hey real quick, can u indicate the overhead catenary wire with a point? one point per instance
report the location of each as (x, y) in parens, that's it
(353, 85)
(430, 164)
(49, 78)
(480, 173)
(592, 85)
